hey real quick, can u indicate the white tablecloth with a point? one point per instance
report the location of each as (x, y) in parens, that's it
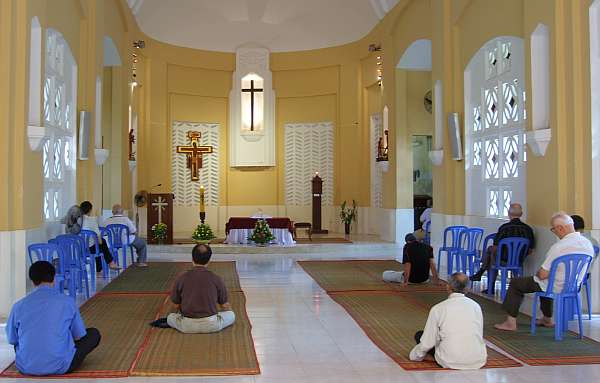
(240, 236)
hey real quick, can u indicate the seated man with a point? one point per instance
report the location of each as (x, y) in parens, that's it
(514, 228)
(417, 260)
(90, 222)
(46, 328)
(454, 330)
(426, 215)
(570, 242)
(138, 243)
(201, 298)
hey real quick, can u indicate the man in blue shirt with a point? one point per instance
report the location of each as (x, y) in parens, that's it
(46, 328)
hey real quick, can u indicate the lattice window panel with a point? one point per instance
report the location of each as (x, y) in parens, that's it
(376, 173)
(493, 202)
(506, 56)
(510, 111)
(187, 192)
(46, 159)
(491, 107)
(57, 160)
(491, 67)
(510, 148)
(507, 198)
(56, 205)
(477, 119)
(491, 159)
(477, 153)
(47, 205)
(308, 149)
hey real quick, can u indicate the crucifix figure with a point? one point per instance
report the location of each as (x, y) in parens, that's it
(159, 205)
(194, 153)
(252, 90)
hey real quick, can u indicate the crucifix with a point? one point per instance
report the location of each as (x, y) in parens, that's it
(159, 205)
(194, 153)
(252, 90)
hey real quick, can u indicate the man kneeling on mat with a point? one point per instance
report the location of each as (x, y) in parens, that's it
(46, 328)
(201, 298)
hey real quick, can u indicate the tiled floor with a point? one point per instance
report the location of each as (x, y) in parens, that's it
(301, 335)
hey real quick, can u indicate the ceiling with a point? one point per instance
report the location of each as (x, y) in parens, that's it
(279, 25)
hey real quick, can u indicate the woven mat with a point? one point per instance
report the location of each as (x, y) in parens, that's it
(391, 321)
(359, 275)
(122, 321)
(229, 352)
(158, 277)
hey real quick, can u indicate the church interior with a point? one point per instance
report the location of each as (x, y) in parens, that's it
(303, 141)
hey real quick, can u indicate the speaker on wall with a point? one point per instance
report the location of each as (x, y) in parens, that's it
(454, 135)
(85, 119)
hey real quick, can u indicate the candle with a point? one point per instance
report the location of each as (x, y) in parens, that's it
(201, 199)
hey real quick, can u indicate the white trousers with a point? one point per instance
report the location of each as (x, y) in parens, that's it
(206, 325)
(393, 276)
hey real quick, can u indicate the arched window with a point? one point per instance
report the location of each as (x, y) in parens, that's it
(59, 111)
(495, 118)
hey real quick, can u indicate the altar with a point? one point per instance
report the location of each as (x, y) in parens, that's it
(238, 229)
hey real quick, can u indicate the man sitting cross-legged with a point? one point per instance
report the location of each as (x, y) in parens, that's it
(201, 298)
(417, 259)
(46, 328)
(570, 242)
(454, 330)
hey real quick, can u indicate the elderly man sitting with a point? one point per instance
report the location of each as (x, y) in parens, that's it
(570, 242)
(138, 243)
(454, 330)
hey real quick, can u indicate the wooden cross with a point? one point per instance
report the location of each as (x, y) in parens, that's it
(194, 153)
(252, 90)
(159, 205)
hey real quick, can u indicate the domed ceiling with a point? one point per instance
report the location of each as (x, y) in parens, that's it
(279, 25)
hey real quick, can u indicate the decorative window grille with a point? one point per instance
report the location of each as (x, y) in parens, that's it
(495, 109)
(58, 152)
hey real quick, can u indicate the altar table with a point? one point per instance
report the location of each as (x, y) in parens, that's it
(238, 229)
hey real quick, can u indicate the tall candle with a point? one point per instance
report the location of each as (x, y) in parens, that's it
(201, 199)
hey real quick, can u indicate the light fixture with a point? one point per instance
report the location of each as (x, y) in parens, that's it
(139, 44)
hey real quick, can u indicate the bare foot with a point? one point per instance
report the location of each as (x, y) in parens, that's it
(506, 326)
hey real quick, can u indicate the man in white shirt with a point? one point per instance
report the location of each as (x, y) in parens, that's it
(426, 215)
(570, 242)
(138, 243)
(454, 330)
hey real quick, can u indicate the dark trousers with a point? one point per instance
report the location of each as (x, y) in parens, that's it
(514, 296)
(488, 257)
(418, 336)
(84, 346)
(105, 252)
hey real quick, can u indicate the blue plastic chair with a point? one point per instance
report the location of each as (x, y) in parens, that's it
(575, 267)
(47, 252)
(469, 253)
(487, 242)
(451, 246)
(116, 233)
(515, 246)
(427, 228)
(75, 263)
(90, 236)
(588, 288)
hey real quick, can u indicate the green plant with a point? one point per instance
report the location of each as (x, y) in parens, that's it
(262, 233)
(348, 214)
(159, 231)
(203, 232)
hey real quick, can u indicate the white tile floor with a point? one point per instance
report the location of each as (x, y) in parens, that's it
(301, 335)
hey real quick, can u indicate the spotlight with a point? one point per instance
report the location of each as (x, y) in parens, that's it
(139, 44)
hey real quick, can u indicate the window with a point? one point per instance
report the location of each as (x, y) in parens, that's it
(59, 104)
(252, 103)
(495, 116)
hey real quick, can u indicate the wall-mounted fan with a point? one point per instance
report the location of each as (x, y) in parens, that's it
(141, 198)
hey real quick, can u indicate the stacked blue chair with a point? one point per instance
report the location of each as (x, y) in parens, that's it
(48, 252)
(452, 246)
(90, 237)
(513, 247)
(75, 264)
(116, 233)
(588, 289)
(427, 228)
(469, 252)
(575, 267)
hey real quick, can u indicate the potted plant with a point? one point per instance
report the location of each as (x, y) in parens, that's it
(159, 232)
(203, 234)
(348, 215)
(262, 233)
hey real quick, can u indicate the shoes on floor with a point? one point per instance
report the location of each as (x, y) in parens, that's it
(160, 323)
(141, 264)
(543, 323)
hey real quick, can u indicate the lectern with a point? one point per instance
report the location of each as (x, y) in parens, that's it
(160, 210)
(317, 192)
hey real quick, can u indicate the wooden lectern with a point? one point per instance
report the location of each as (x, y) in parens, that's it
(160, 209)
(317, 192)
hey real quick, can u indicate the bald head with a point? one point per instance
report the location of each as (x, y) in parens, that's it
(562, 224)
(117, 209)
(458, 282)
(515, 210)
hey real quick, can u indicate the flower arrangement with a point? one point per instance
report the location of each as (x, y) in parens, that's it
(203, 233)
(348, 215)
(159, 232)
(262, 233)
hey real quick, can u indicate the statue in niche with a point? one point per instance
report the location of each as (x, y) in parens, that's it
(131, 142)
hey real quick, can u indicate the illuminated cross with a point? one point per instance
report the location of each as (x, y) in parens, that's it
(159, 205)
(194, 153)
(252, 90)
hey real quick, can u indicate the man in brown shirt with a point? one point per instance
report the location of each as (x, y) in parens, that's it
(201, 298)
